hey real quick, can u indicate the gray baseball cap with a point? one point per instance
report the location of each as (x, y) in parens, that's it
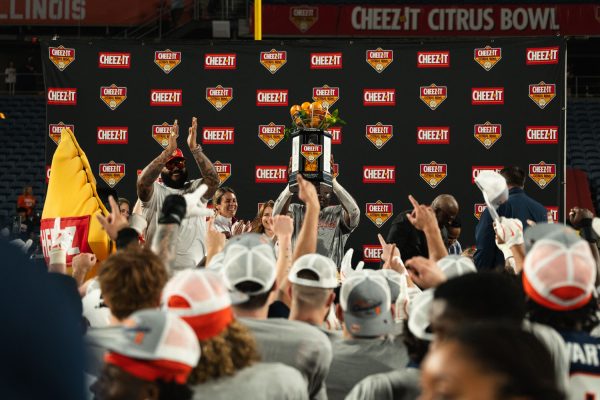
(559, 232)
(366, 301)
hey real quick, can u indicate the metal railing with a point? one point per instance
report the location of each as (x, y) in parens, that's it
(27, 83)
(585, 86)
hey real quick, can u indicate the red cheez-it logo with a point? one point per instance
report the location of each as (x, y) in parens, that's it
(271, 174)
(166, 97)
(217, 135)
(433, 135)
(220, 61)
(487, 95)
(379, 97)
(379, 174)
(542, 55)
(326, 61)
(372, 253)
(271, 98)
(114, 60)
(62, 96)
(77, 226)
(475, 170)
(433, 59)
(112, 135)
(541, 134)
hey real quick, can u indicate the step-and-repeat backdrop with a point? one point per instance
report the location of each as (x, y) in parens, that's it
(422, 118)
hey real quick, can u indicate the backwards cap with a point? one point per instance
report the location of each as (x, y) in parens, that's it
(323, 267)
(365, 300)
(249, 258)
(560, 271)
(200, 298)
(151, 345)
(455, 265)
(176, 154)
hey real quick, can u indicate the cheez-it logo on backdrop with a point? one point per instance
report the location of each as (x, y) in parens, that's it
(271, 174)
(218, 135)
(271, 134)
(112, 135)
(166, 97)
(487, 57)
(61, 56)
(379, 134)
(167, 60)
(114, 60)
(433, 135)
(336, 134)
(161, 133)
(379, 174)
(379, 97)
(223, 170)
(541, 134)
(542, 93)
(433, 95)
(54, 130)
(478, 209)
(380, 59)
(542, 174)
(62, 96)
(304, 17)
(326, 95)
(219, 96)
(379, 212)
(476, 169)
(487, 95)
(111, 172)
(220, 61)
(273, 60)
(271, 97)
(487, 133)
(541, 55)
(326, 60)
(433, 173)
(372, 253)
(433, 59)
(113, 96)
(552, 214)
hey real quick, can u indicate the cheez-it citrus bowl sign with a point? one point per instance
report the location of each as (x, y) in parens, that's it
(167, 60)
(487, 57)
(379, 212)
(111, 172)
(113, 96)
(542, 93)
(542, 174)
(219, 96)
(372, 253)
(223, 170)
(433, 173)
(433, 95)
(271, 174)
(271, 134)
(220, 61)
(55, 130)
(380, 59)
(161, 133)
(113, 60)
(61, 56)
(273, 60)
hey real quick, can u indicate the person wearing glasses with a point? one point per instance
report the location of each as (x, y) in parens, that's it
(170, 165)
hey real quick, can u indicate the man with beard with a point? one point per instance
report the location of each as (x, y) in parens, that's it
(336, 222)
(170, 165)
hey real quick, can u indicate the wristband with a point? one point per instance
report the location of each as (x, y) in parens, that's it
(170, 219)
(58, 256)
(197, 149)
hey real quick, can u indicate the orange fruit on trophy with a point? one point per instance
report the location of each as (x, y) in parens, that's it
(315, 122)
(305, 106)
(298, 121)
(316, 106)
(295, 110)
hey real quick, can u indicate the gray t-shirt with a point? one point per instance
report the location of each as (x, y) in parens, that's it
(296, 344)
(401, 384)
(333, 231)
(262, 381)
(190, 241)
(355, 359)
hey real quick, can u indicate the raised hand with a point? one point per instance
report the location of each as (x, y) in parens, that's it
(391, 256)
(307, 192)
(283, 226)
(422, 216)
(115, 220)
(194, 205)
(192, 134)
(424, 272)
(172, 145)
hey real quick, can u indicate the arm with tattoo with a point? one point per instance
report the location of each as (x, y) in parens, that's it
(209, 174)
(164, 243)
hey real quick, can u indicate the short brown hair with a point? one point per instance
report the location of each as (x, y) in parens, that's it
(220, 193)
(225, 354)
(132, 279)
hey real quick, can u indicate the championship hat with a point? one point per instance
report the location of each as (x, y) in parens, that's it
(95, 311)
(322, 267)
(150, 345)
(455, 265)
(543, 230)
(365, 300)
(200, 298)
(249, 258)
(394, 281)
(560, 271)
(418, 317)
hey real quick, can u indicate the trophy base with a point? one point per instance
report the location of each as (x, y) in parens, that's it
(323, 181)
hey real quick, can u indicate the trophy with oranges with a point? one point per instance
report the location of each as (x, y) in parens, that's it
(311, 144)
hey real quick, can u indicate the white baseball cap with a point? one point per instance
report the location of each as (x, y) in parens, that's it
(418, 317)
(323, 267)
(455, 265)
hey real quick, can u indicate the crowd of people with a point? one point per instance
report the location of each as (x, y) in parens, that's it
(195, 304)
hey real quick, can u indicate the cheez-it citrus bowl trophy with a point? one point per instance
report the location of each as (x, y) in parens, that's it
(311, 144)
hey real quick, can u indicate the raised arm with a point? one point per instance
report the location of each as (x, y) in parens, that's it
(423, 218)
(282, 204)
(307, 238)
(209, 174)
(351, 209)
(145, 182)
